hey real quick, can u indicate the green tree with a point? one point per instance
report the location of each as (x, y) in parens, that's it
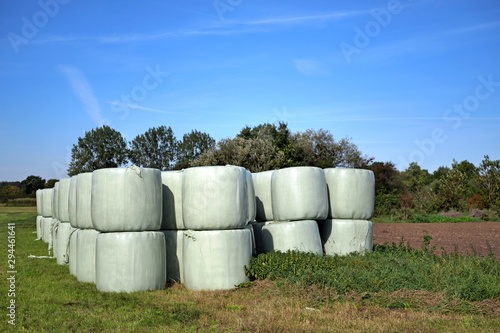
(156, 148)
(192, 146)
(51, 183)
(11, 192)
(102, 147)
(32, 183)
(415, 178)
(452, 190)
(440, 172)
(489, 180)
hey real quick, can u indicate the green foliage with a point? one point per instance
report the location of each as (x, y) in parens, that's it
(192, 146)
(387, 269)
(156, 148)
(422, 218)
(51, 183)
(32, 183)
(101, 147)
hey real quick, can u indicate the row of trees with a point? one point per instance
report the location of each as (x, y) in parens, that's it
(24, 189)
(264, 147)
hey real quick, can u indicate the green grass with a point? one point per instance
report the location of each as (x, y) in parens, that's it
(426, 218)
(395, 289)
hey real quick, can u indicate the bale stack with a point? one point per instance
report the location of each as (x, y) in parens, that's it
(288, 203)
(217, 204)
(46, 214)
(126, 210)
(351, 201)
(61, 227)
(39, 215)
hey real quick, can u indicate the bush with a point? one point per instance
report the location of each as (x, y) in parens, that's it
(421, 218)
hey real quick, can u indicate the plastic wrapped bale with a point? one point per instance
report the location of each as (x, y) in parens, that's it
(252, 204)
(257, 232)
(252, 237)
(300, 236)
(130, 261)
(47, 229)
(46, 197)
(126, 199)
(215, 197)
(63, 199)
(215, 259)
(351, 192)
(39, 202)
(86, 255)
(263, 198)
(53, 238)
(83, 201)
(299, 193)
(346, 236)
(72, 201)
(172, 200)
(73, 251)
(39, 227)
(55, 201)
(174, 241)
(61, 243)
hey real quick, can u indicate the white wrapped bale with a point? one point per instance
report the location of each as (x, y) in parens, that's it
(130, 261)
(300, 236)
(73, 251)
(351, 193)
(346, 236)
(61, 243)
(86, 255)
(63, 199)
(299, 193)
(83, 201)
(47, 229)
(72, 201)
(39, 227)
(174, 241)
(257, 232)
(263, 197)
(46, 197)
(126, 199)
(215, 197)
(39, 202)
(172, 200)
(215, 260)
(252, 205)
(55, 201)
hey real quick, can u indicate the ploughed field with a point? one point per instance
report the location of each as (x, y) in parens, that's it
(466, 237)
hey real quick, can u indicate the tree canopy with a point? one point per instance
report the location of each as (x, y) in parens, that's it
(156, 148)
(32, 183)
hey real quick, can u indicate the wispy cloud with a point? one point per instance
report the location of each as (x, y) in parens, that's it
(474, 28)
(303, 19)
(138, 107)
(309, 67)
(82, 89)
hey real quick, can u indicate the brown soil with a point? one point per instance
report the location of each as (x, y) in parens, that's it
(466, 238)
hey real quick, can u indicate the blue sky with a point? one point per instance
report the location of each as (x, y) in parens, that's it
(406, 80)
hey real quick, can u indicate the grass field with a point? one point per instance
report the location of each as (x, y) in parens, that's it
(49, 299)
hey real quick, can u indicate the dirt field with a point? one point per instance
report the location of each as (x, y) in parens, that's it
(481, 237)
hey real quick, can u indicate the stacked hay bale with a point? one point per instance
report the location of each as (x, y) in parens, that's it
(39, 215)
(288, 203)
(46, 214)
(61, 227)
(126, 209)
(217, 204)
(351, 200)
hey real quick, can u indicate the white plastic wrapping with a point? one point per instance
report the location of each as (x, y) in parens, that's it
(130, 261)
(83, 201)
(86, 255)
(257, 233)
(39, 227)
(346, 236)
(126, 199)
(252, 204)
(299, 193)
(300, 236)
(215, 259)
(215, 197)
(73, 251)
(46, 197)
(263, 198)
(61, 243)
(172, 200)
(63, 199)
(351, 193)
(47, 229)
(174, 241)
(72, 201)
(55, 201)
(38, 202)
